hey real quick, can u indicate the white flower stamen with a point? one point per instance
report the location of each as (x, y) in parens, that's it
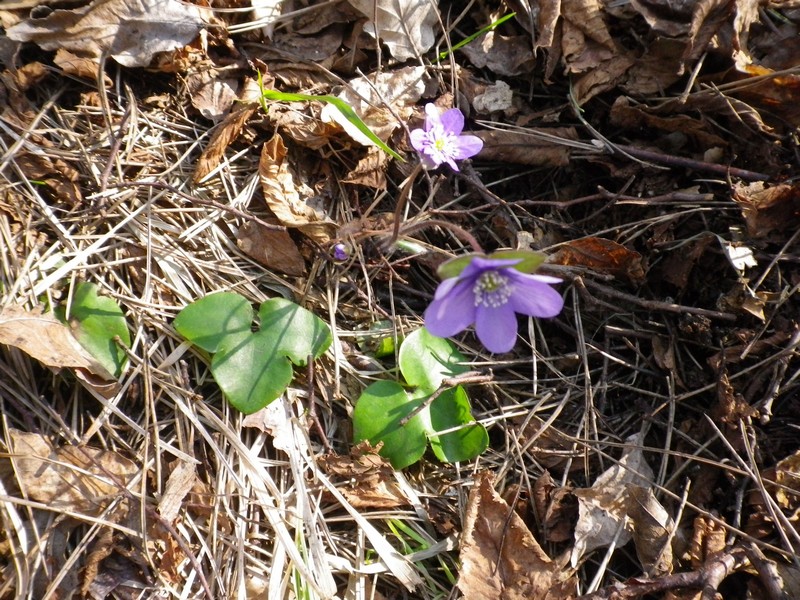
(492, 289)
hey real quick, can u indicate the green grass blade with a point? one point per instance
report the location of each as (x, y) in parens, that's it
(467, 40)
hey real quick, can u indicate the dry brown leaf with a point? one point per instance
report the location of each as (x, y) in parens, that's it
(652, 528)
(211, 95)
(556, 509)
(549, 13)
(500, 558)
(79, 66)
(527, 148)
(369, 479)
(602, 255)
(180, 482)
(769, 209)
(130, 31)
(603, 508)
(271, 248)
(605, 76)
(508, 56)
(405, 26)
(46, 339)
(288, 199)
(370, 170)
(301, 122)
(80, 479)
(227, 131)
(708, 539)
(55, 174)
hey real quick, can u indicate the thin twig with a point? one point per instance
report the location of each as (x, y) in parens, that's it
(449, 382)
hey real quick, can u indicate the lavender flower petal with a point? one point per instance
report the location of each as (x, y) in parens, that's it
(453, 121)
(496, 327)
(452, 312)
(533, 295)
(466, 145)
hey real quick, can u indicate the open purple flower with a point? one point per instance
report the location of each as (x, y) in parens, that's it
(489, 292)
(440, 140)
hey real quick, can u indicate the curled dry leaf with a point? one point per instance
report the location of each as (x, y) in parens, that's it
(500, 558)
(769, 209)
(79, 479)
(271, 248)
(130, 31)
(405, 26)
(288, 199)
(603, 508)
(509, 56)
(606, 256)
(532, 147)
(46, 339)
(652, 529)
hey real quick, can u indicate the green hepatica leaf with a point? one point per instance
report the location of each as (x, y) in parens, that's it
(426, 360)
(451, 409)
(215, 319)
(96, 321)
(298, 333)
(253, 368)
(377, 416)
(251, 371)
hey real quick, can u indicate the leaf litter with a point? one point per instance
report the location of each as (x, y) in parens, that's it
(646, 146)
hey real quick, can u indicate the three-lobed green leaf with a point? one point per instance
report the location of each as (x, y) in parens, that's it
(252, 368)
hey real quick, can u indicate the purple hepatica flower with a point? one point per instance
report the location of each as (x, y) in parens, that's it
(440, 140)
(489, 292)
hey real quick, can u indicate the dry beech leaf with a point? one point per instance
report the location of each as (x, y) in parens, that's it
(527, 148)
(370, 170)
(652, 527)
(46, 339)
(227, 131)
(405, 26)
(369, 479)
(288, 199)
(600, 254)
(80, 479)
(603, 508)
(769, 209)
(272, 248)
(130, 31)
(500, 558)
(509, 56)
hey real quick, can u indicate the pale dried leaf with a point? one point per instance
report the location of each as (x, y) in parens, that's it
(180, 482)
(272, 248)
(130, 31)
(526, 148)
(382, 102)
(603, 508)
(509, 56)
(46, 339)
(287, 198)
(652, 527)
(405, 26)
(75, 478)
(500, 558)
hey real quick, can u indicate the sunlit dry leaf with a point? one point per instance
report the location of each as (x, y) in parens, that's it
(505, 55)
(769, 209)
(708, 539)
(602, 255)
(46, 339)
(603, 508)
(526, 148)
(210, 94)
(605, 76)
(369, 481)
(379, 101)
(549, 13)
(272, 248)
(500, 558)
(405, 26)
(227, 131)
(75, 478)
(180, 482)
(287, 198)
(130, 31)
(79, 66)
(370, 170)
(54, 174)
(652, 527)
(556, 509)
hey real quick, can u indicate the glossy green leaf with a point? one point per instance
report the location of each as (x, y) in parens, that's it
(215, 319)
(454, 266)
(298, 332)
(253, 367)
(251, 371)
(427, 360)
(95, 322)
(377, 416)
(529, 260)
(451, 409)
